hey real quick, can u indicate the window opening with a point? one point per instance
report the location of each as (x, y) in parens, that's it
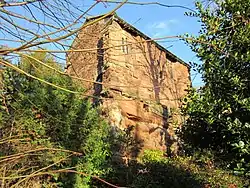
(125, 45)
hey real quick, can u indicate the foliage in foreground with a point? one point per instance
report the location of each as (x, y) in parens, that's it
(38, 123)
(219, 113)
(154, 170)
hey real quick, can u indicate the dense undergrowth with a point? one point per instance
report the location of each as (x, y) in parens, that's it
(154, 170)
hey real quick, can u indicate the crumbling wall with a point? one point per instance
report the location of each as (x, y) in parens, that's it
(147, 87)
(142, 85)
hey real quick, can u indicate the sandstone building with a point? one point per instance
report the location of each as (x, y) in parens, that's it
(142, 82)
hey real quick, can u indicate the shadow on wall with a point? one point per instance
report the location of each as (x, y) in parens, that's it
(162, 79)
(160, 74)
(155, 71)
(99, 78)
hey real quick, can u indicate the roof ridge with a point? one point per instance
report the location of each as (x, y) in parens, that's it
(88, 18)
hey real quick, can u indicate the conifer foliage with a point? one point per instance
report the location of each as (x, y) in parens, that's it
(44, 130)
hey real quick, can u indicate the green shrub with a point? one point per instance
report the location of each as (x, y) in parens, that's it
(197, 171)
(219, 113)
(37, 115)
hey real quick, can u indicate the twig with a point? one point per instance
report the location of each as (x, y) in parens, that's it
(41, 169)
(18, 4)
(152, 3)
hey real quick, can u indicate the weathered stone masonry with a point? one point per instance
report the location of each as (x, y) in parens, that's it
(143, 82)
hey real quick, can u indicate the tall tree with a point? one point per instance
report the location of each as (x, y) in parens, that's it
(219, 113)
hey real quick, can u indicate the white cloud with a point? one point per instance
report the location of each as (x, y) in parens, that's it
(160, 28)
(164, 24)
(160, 25)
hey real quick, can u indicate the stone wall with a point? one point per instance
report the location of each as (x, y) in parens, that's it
(155, 86)
(88, 63)
(143, 85)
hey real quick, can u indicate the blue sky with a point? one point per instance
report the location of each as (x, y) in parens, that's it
(157, 21)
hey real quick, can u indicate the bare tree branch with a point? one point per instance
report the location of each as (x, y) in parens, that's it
(6, 4)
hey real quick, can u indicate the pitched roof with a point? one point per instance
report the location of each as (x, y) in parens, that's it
(128, 27)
